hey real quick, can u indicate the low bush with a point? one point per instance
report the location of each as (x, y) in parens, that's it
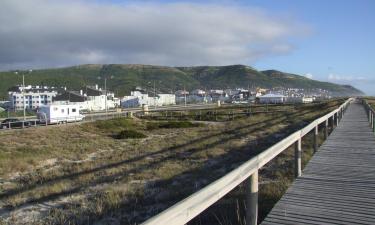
(171, 124)
(114, 124)
(130, 134)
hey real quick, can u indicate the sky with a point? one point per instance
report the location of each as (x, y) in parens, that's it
(325, 40)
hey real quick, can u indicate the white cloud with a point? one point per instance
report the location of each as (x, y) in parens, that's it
(51, 33)
(309, 75)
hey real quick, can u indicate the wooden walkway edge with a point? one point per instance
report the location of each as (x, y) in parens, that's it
(338, 184)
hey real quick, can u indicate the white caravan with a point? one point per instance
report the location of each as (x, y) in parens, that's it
(59, 114)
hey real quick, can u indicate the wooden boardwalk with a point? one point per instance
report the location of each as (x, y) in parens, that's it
(338, 184)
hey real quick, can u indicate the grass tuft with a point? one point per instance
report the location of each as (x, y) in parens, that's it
(171, 125)
(130, 134)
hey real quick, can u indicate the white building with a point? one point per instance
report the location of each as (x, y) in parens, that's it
(198, 92)
(300, 99)
(30, 97)
(88, 99)
(139, 98)
(272, 99)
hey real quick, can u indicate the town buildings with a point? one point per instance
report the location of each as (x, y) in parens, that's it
(139, 97)
(30, 97)
(90, 98)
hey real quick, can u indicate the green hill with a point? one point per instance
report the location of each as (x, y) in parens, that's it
(167, 79)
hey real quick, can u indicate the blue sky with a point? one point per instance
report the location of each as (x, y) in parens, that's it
(340, 47)
(328, 40)
(341, 43)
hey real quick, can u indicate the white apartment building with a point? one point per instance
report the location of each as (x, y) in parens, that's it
(88, 99)
(30, 97)
(272, 99)
(139, 98)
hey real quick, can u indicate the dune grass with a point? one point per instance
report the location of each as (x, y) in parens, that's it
(90, 176)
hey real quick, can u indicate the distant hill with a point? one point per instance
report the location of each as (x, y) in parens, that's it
(167, 79)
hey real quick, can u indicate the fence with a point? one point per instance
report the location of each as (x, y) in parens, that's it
(187, 209)
(370, 114)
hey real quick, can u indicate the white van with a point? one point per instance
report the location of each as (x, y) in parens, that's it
(52, 114)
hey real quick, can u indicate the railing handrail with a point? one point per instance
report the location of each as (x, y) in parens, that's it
(187, 209)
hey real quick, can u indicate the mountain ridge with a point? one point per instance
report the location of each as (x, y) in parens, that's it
(167, 79)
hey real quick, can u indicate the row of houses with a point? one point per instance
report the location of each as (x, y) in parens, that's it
(93, 98)
(90, 98)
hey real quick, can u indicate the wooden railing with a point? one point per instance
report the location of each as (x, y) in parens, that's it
(187, 209)
(370, 114)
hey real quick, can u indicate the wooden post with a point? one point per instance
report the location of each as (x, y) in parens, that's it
(370, 116)
(298, 158)
(252, 199)
(333, 122)
(326, 130)
(337, 119)
(316, 135)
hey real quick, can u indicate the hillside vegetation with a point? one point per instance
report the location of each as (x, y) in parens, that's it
(167, 79)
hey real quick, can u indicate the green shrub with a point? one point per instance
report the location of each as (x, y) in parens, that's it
(171, 124)
(114, 124)
(130, 134)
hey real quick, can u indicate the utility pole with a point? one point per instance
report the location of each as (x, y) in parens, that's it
(185, 94)
(23, 96)
(105, 75)
(154, 95)
(105, 100)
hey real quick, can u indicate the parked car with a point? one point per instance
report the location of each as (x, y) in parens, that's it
(13, 123)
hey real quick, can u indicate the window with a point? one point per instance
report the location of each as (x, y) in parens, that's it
(62, 110)
(55, 109)
(74, 110)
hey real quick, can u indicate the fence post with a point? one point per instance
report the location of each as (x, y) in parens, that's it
(326, 129)
(316, 135)
(369, 115)
(252, 199)
(297, 158)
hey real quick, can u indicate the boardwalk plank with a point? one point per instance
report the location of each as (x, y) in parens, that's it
(338, 184)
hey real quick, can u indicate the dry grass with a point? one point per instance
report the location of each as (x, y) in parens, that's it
(130, 180)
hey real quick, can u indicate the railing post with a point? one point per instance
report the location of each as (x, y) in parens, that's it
(326, 129)
(297, 158)
(252, 199)
(369, 115)
(333, 122)
(337, 119)
(316, 134)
